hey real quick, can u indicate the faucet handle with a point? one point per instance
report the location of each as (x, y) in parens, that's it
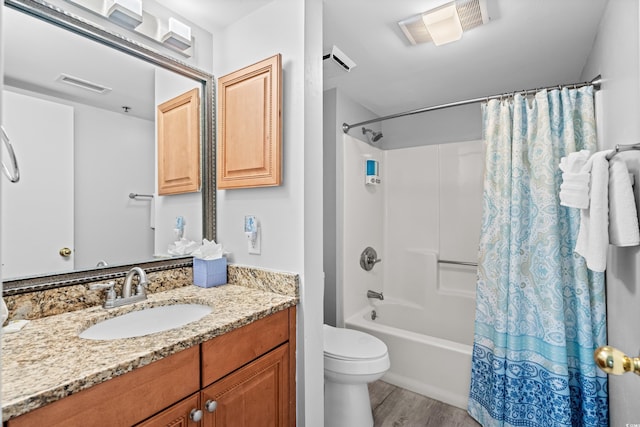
(110, 286)
(99, 286)
(141, 288)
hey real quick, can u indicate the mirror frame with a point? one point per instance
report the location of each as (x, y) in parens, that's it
(57, 16)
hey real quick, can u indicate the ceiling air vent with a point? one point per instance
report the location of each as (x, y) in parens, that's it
(471, 13)
(84, 84)
(340, 58)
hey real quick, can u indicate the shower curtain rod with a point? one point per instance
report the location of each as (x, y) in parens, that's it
(595, 82)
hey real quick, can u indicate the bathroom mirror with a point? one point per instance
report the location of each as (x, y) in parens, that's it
(109, 155)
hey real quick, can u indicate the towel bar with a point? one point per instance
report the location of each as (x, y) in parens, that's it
(620, 148)
(135, 195)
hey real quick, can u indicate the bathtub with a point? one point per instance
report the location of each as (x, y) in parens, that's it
(429, 356)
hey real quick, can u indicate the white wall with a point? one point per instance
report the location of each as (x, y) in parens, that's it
(363, 224)
(168, 85)
(113, 157)
(435, 127)
(337, 109)
(428, 207)
(290, 215)
(615, 56)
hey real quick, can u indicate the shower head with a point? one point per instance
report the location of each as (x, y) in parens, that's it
(375, 136)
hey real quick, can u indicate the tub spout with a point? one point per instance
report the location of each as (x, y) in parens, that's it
(374, 294)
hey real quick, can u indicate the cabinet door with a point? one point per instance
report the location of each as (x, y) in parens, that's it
(179, 144)
(178, 415)
(250, 126)
(256, 395)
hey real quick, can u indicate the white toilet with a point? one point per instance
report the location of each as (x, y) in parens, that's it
(351, 360)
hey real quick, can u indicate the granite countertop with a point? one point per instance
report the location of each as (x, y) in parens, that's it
(47, 361)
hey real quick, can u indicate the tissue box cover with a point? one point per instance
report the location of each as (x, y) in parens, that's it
(211, 272)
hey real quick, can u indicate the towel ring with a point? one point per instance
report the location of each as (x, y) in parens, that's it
(15, 176)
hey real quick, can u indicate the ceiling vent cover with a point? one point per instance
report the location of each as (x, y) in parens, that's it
(81, 83)
(472, 13)
(335, 62)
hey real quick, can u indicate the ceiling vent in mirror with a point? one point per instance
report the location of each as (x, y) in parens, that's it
(84, 84)
(445, 23)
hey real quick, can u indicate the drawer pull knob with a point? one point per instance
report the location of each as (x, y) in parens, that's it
(195, 415)
(211, 405)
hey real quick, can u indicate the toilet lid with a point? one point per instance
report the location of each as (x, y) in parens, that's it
(349, 344)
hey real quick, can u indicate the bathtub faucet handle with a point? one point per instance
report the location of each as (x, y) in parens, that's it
(369, 258)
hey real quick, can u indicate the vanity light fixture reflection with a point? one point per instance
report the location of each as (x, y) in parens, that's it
(126, 13)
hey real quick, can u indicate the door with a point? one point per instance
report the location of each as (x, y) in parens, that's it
(41, 203)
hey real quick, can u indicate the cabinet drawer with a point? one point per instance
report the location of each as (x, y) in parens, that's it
(124, 400)
(226, 353)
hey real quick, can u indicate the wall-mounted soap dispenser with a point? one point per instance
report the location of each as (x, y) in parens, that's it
(372, 175)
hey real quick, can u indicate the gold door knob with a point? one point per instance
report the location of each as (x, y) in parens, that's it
(613, 361)
(65, 252)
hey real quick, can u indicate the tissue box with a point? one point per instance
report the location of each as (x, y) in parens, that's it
(209, 272)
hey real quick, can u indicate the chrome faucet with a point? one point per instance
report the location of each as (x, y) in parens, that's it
(142, 282)
(374, 294)
(113, 300)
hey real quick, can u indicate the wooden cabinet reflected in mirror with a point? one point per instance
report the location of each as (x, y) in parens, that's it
(179, 144)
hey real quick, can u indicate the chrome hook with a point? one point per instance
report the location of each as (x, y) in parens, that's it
(15, 176)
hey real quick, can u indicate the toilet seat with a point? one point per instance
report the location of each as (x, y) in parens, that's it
(349, 344)
(351, 352)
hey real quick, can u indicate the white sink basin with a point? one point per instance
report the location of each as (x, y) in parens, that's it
(145, 322)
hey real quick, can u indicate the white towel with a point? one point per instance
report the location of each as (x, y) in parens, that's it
(623, 216)
(574, 191)
(593, 237)
(574, 162)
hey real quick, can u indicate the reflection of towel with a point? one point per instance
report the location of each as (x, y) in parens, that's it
(593, 237)
(152, 213)
(623, 217)
(574, 191)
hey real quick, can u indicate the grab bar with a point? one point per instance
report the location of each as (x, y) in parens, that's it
(15, 176)
(470, 264)
(135, 195)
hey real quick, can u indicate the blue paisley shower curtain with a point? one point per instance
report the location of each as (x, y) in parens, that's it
(540, 313)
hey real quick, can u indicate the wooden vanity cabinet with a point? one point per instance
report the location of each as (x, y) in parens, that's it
(248, 379)
(124, 400)
(245, 377)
